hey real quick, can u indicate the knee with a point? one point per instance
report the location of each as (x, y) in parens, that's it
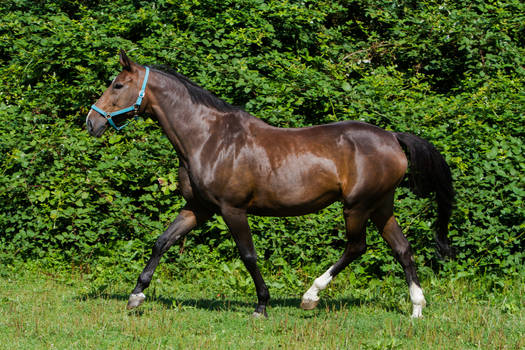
(404, 254)
(249, 259)
(160, 245)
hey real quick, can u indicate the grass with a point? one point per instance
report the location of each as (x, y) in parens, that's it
(42, 310)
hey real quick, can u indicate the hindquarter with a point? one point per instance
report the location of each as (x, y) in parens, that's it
(379, 165)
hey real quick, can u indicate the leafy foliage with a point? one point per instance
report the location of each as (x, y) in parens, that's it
(450, 72)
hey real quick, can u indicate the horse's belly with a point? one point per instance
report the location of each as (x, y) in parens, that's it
(288, 211)
(293, 203)
(296, 189)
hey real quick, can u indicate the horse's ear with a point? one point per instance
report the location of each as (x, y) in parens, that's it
(124, 60)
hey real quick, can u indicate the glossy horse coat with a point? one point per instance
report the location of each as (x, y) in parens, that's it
(234, 164)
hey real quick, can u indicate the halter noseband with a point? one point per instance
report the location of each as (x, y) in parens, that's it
(134, 108)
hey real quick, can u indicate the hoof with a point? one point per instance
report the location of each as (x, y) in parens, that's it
(417, 311)
(135, 300)
(309, 304)
(259, 315)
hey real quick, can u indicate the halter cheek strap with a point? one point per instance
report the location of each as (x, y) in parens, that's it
(134, 108)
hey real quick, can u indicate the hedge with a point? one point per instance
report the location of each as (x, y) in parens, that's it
(450, 72)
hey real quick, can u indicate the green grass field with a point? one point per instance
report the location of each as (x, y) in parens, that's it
(41, 310)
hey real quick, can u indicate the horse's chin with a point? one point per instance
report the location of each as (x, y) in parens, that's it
(98, 131)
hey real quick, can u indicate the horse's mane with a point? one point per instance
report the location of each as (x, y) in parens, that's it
(197, 94)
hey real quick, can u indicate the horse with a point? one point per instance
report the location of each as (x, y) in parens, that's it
(234, 164)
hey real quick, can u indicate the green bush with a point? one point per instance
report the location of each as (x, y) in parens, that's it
(449, 72)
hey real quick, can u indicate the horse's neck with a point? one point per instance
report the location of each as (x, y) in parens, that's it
(190, 125)
(187, 125)
(183, 131)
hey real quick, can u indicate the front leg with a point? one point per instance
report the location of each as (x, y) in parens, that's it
(184, 223)
(238, 224)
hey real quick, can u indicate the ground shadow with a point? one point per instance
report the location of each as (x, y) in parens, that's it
(239, 304)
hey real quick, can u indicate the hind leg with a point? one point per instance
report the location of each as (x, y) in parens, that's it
(391, 232)
(355, 221)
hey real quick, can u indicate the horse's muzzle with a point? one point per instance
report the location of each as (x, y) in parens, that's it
(95, 127)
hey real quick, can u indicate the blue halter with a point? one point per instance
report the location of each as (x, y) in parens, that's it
(134, 108)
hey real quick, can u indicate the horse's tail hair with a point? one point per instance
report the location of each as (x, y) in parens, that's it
(429, 173)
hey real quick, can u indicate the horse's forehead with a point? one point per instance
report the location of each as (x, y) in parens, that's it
(127, 77)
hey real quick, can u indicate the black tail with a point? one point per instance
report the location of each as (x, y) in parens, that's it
(429, 173)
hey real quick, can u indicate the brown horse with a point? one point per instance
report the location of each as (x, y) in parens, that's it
(234, 164)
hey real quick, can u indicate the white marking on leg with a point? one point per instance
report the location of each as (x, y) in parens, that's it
(135, 300)
(418, 300)
(311, 297)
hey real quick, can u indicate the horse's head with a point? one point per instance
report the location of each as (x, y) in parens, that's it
(121, 100)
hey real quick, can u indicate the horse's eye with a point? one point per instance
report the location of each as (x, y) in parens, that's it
(117, 86)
